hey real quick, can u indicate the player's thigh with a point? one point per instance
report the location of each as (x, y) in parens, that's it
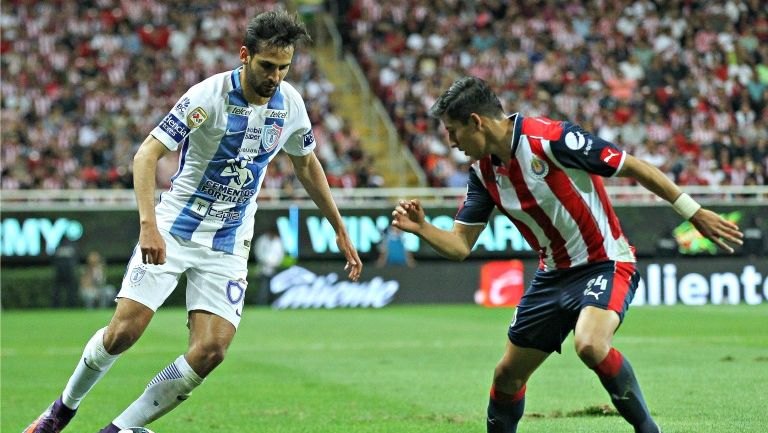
(217, 283)
(518, 364)
(593, 334)
(209, 332)
(150, 285)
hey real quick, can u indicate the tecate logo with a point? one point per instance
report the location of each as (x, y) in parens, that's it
(301, 288)
(277, 114)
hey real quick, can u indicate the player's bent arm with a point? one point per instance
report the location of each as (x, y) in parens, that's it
(708, 223)
(455, 244)
(144, 171)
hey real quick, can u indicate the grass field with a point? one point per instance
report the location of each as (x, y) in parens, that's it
(399, 369)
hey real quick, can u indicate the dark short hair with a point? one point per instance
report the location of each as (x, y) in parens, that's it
(466, 96)
(275, 29)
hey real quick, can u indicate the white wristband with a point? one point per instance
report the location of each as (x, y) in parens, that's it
(686, 206)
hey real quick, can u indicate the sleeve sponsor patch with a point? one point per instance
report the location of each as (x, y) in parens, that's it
(197, 117)
(309, 139)
(174, 127)
(182, 106)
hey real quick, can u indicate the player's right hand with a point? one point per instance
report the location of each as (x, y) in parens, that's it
(408, 216)
(152, 246)
(713, 227)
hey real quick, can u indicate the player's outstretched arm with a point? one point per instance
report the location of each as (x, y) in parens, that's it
(151, 242)
(312, 176)
(455, 245)
(709, 224)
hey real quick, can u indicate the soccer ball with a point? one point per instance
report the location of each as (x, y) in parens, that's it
(135, 430)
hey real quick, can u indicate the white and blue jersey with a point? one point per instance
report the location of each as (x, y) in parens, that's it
(226, 144)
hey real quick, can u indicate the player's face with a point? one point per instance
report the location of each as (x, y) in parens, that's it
(466, 136)
(266, 68)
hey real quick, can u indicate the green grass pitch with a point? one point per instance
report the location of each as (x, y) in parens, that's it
(399, 369)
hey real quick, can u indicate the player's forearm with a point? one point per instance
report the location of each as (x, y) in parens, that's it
(144, 168)
(312, 177)
(651, 178)
(448, 244)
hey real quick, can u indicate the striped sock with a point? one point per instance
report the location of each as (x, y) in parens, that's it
(505, 410)
(163, 393)
(619, 380)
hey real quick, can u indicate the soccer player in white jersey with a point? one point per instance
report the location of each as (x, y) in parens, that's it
(545, 176)
(229, 127)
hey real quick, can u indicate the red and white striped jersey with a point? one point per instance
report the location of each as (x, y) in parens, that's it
(553, 192)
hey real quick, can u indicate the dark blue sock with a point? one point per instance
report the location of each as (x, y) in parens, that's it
(618, 378)
(505, 411)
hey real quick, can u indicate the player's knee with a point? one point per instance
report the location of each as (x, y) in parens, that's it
(504, 377)
(205, 356)
(591, 350)
(120, 336)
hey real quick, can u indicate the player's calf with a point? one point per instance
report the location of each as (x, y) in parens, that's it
(618, 378)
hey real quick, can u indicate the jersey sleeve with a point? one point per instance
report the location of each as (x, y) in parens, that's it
(301, 141)
(582, 150)
(478, 205)
(186, 117)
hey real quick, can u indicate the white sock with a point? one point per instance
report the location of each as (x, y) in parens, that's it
(94, 364)
(166, 391)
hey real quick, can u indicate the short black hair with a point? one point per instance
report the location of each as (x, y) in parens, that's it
(275, 29)
(467, 95)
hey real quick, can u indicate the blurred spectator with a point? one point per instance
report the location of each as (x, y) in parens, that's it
(392, 251)
(83, 83)
(269, 253)
(94, 290)
(65, 262)
(689, 70)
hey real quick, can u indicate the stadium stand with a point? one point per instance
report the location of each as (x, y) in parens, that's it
(84, 83)
(682, 84)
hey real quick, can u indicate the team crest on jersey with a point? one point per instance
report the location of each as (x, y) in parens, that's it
(137, 274)
(182, 106)
(270, 136)
(197, 117)
(238, 173)
(539, 168)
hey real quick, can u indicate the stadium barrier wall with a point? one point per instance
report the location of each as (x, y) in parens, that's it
(494, 283)
(32, 237)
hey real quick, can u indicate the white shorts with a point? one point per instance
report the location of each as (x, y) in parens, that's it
(216, 281)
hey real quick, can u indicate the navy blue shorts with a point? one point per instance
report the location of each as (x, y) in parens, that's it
(549, 308)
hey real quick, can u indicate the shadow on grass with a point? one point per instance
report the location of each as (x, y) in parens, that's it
(589, 411)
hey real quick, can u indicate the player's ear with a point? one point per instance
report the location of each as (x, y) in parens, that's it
(244, 55)
(476, 120)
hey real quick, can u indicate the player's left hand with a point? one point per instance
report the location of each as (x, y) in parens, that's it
(354, 265)
(713, 227)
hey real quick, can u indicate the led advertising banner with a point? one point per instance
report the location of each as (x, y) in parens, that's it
(494, 283)
(33, 237)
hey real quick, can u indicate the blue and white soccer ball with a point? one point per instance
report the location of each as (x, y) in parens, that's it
(135, 430)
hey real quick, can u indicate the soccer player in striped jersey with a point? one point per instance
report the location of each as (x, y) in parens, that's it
(229, 127)
(545, 176)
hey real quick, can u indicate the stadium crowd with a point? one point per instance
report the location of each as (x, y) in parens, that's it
(682, 84)
(85, 82)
